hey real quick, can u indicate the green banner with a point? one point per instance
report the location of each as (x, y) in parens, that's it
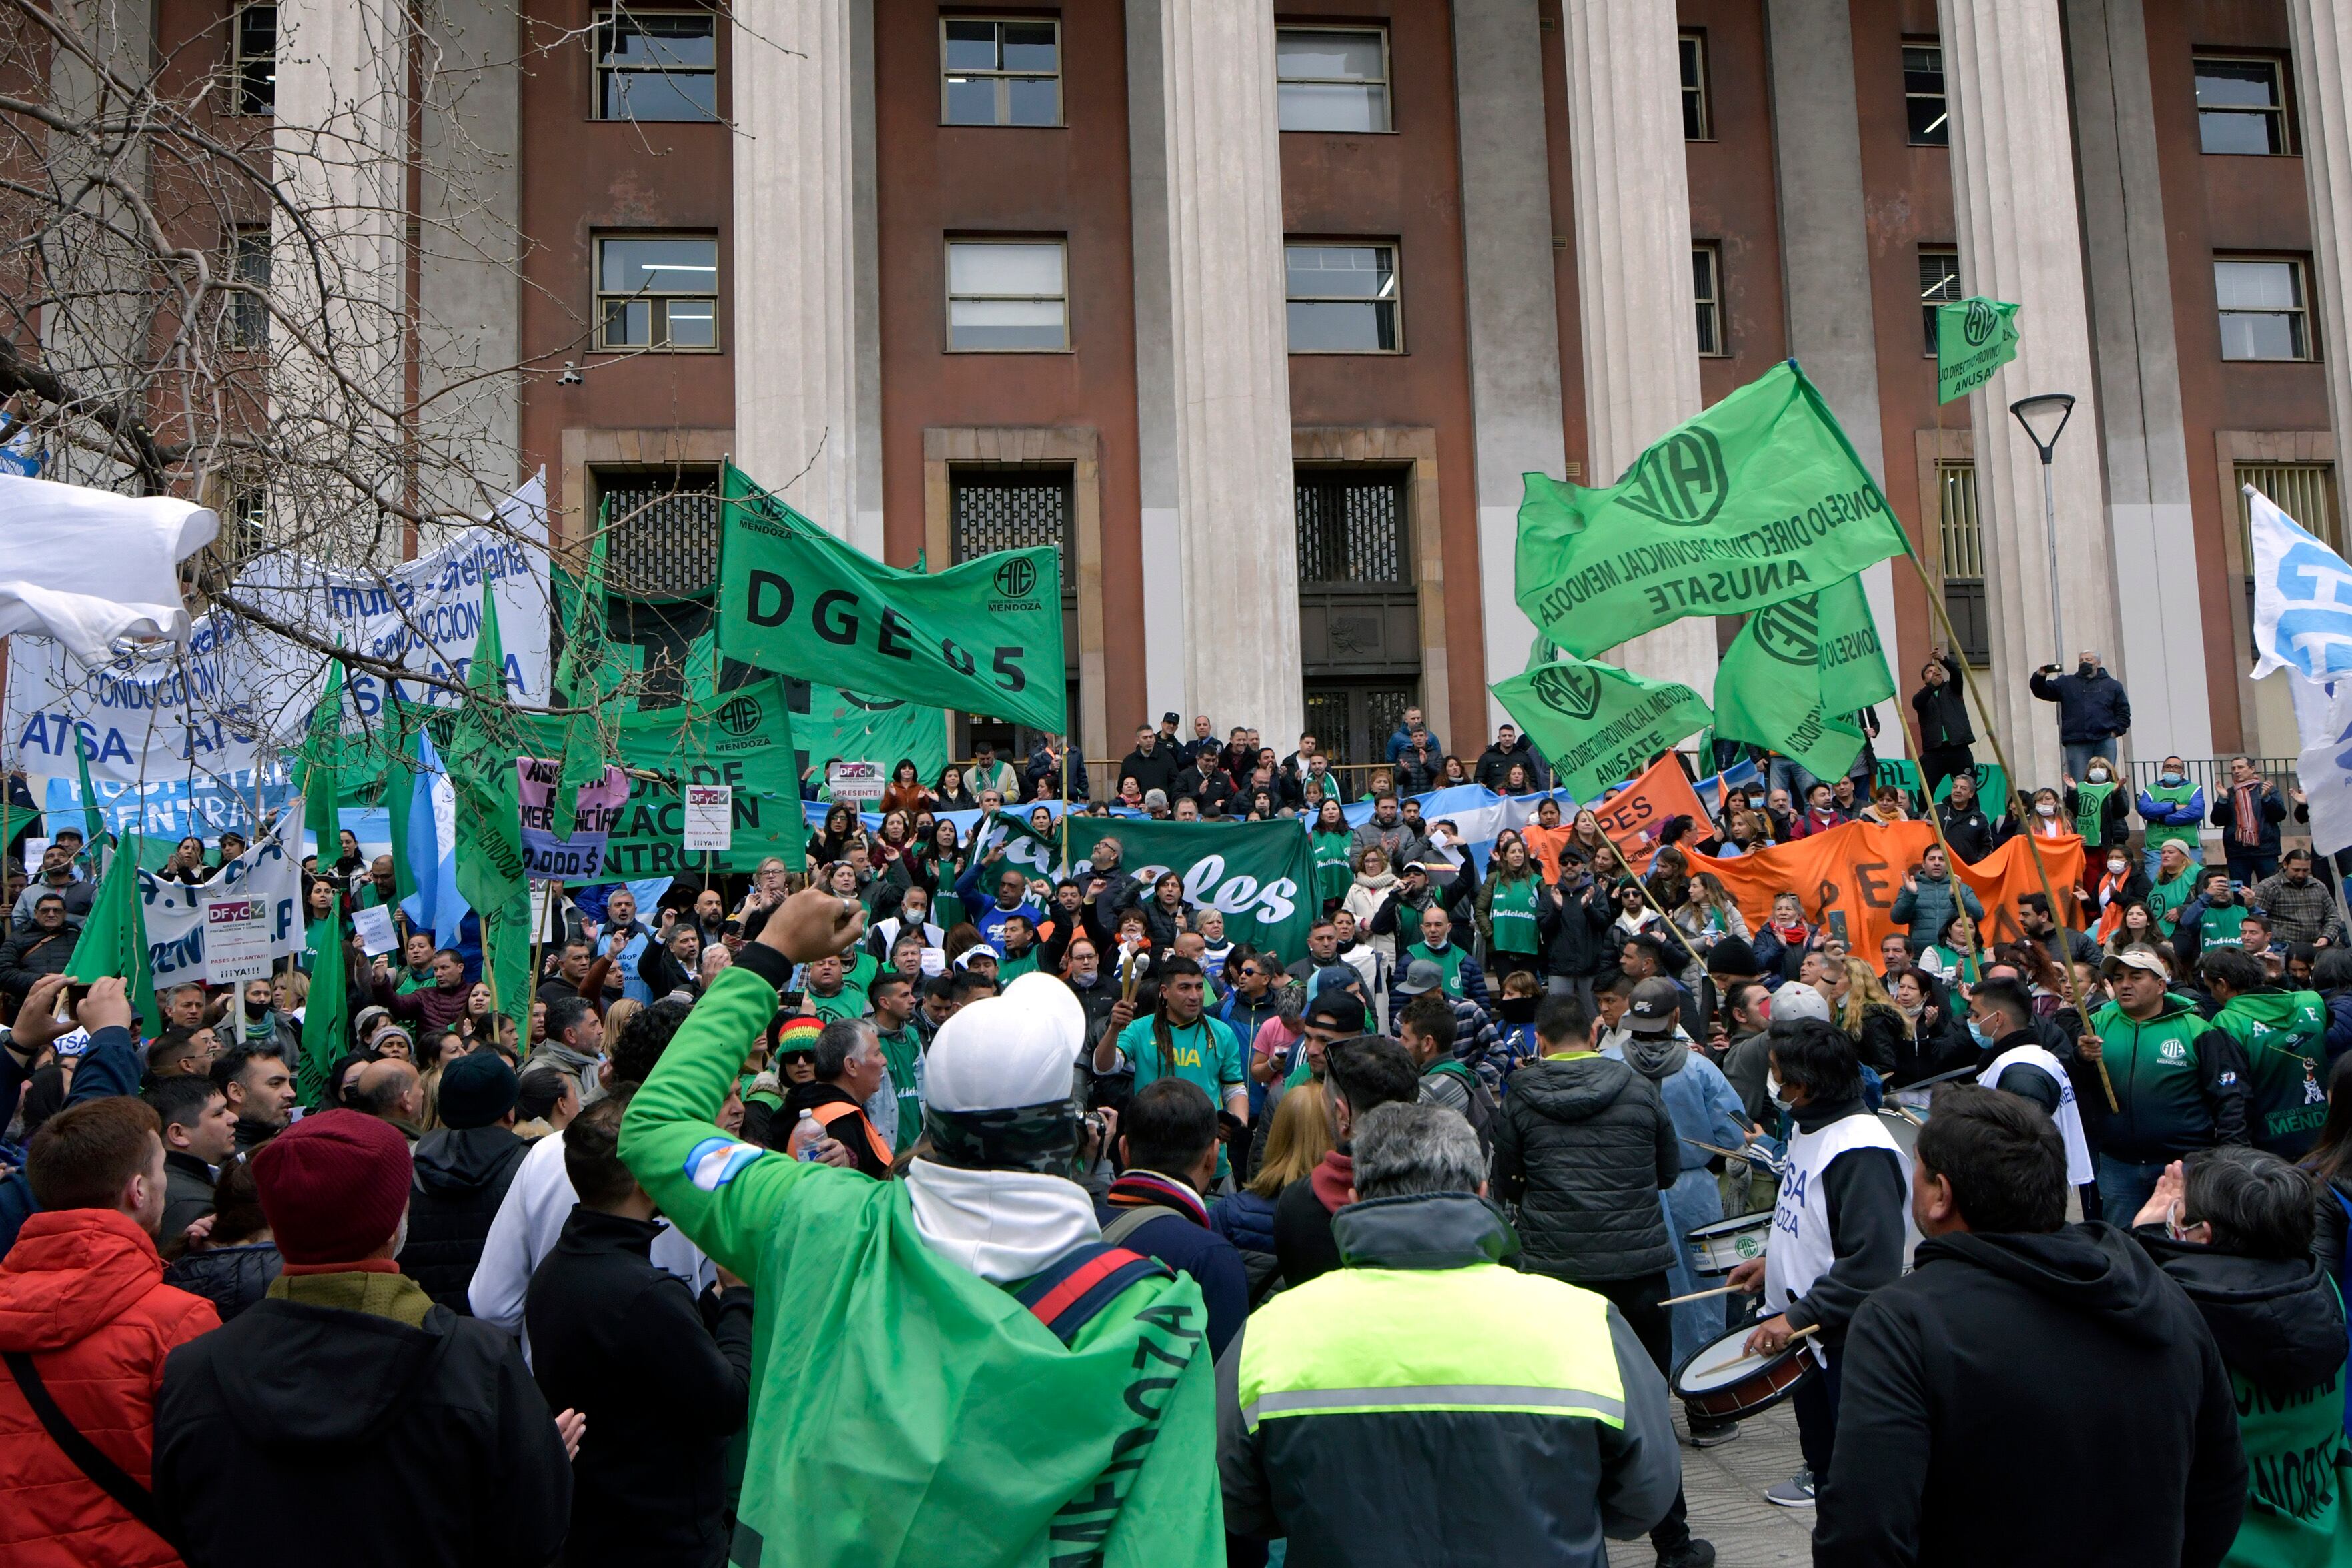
(1260, 874)
(1793, 678)
(112, 943)
(984, 636)
(1974, 338)
(843, 726)
(742, 739)
(1758, 499)
(1597, 725)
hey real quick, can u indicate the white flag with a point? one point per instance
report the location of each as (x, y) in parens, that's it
(2303, 597)
(91, 567)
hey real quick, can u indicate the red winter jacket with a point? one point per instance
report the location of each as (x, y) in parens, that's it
(82, 1291)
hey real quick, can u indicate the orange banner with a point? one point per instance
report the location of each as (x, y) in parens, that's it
(1634, 816)
(1857, 870)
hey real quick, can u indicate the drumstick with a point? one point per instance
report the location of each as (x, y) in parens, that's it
(1697, 1295)
(1809, 1328)
(1710, 1149)
(1907, 1113)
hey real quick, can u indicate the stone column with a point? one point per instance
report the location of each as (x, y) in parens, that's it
(2139, 380)
(1632, 190)
(1825, 260)
(793, 336)
(2322, 34)
(1514, 312)
(1163, 631)
(2020, 240)
(1228, 368)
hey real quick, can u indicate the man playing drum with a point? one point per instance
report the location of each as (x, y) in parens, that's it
(1840, 1230)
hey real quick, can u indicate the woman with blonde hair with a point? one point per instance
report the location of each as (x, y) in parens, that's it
(1869, 1016)
(1295, 1142)
(1373, 880)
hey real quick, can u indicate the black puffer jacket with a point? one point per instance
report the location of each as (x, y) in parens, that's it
(1583, 1147)
(1579, 950)
(461, 1178)
(1879, 1040)
(231, 1277)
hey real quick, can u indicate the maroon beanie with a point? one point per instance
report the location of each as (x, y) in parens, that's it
(334, 1186)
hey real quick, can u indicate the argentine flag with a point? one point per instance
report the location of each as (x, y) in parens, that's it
(432, 849)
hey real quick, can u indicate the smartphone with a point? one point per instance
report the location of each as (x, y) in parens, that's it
(1837, 925)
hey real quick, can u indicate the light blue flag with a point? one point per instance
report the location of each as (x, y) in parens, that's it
(436, 904)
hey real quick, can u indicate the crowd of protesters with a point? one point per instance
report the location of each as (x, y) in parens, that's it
(519, 1292)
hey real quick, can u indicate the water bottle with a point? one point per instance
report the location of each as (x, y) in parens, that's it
(806, 1135)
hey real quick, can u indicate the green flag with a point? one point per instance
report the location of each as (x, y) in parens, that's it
(318, 763)
(93, 820)
(1596, 723)
(1758, 499)
(1260, 874)
(481, 760)
(113, 940)
(1974, 338)
(326, 1012)
(580, 675)
(984, 636)
(1793, 678)
(845, 726)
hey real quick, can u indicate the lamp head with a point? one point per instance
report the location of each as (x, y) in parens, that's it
(2044, 418)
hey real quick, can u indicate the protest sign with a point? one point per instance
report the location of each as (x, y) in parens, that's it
(883, 729)
(374, 928)
(984, 636)
(1797, 674)
(1974, 338)
(1596, 723)
(175, 913)
(236, 940)
(579, 856)
(1758, 499)
(855, 783)
(1858, 869)
(1261, 876)
(741, 738)
(709, 818)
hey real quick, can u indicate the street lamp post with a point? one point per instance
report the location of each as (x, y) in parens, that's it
(2044, 418)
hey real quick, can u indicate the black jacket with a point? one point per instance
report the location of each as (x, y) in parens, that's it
(1157, 771)
(1943, 710)
(29, 957)
(1969, 832)
(1580, 930)
(2270, 811)
(2278, 1323)
(461, 1178)
(378, 1445)
(620, 1340)
(2074, 1336)
(1583, 1147)
(2091, 707)
(187, 1192)
(231, 1277)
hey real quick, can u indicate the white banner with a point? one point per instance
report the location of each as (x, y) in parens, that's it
(176, 912)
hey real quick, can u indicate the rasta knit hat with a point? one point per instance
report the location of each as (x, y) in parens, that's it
(799, 1032)
(334, 1186)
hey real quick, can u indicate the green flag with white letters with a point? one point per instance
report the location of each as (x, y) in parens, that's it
(984, 635)
(1758, 499)
(1796, 674)
(1974, 338)
(1597, 725)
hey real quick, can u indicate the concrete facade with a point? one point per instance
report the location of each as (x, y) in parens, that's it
(1542, 204)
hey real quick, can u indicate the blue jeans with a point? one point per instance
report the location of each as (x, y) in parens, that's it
(1785, 773)
(2123, 1187)
(2078, 757)
(1693, 1200)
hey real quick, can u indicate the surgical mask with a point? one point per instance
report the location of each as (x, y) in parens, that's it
(2045, 808)
(1773, 1088)
(1977, 1032)
(2098, 775)
(2171, 779)
(2116, 867)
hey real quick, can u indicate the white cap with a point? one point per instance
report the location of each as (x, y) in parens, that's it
(1798, 1000)
(1017, 1049)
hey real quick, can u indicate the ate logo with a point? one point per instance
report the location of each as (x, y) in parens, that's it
(1569, 690)
(1680, 481)
(1016, 578)
(741, 717)
(2172, 1051)
(1791, 630)
(1977, 324)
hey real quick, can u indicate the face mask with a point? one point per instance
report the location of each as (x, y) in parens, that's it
(1977, 1032)
(2098, 775)
(2116, 867)
(2168, 779)
(1773, 1088)
(2045, 809)
(2084, 669)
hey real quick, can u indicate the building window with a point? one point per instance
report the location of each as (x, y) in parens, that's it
(1000, 73)
(1350, 528)
(1923, 95)
(2264, 312)
(1696, 126)
(248, 312)
(1962, 538)
(254, 51)
(658, 294)
(656, 65)
(1707, 290)
(243, 520)
(1342, 298)
(1939, 284)
(1007, 296)
(2304, 491)
(1331, 80)
(664, 542)
(2242, 106)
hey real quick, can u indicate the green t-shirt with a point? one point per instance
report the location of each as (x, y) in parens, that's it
(1205, 1052)
(1008, 968)
(903, 1051)
(1511, 917)
(1450, 961)
(2166, 899)
(851, 1000)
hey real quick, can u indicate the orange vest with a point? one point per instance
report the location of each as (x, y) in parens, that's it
(833, 1111)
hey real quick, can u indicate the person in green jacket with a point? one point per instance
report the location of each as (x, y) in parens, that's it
(894, 999)
(917, 1399)
(2179, 1085)
(2176, 884)
(2283, 1035)
(2173, 811)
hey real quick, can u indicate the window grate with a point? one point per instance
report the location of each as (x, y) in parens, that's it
(1015, 510)
(1351, 530)
(1963, 536)
(2304, 491)
(664, 539)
